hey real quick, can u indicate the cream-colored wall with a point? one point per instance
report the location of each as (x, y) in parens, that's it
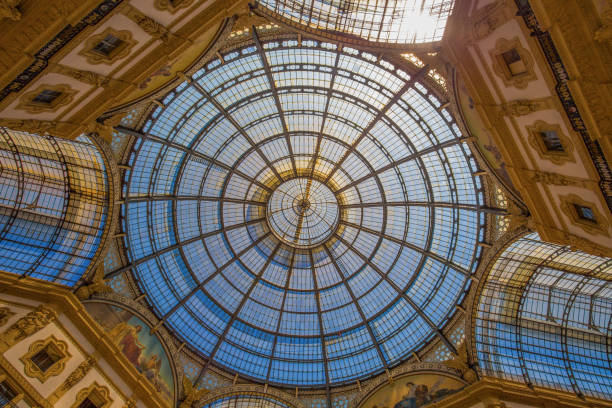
(543, 183)
(79, 348)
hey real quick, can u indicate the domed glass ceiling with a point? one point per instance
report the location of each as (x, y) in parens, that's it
(303, 215)
(381, 21)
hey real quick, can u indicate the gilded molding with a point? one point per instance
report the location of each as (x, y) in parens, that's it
(5, 314)
(489, 18)
(522, 107)
(8, 9)
(568, 206)
(535, 140)
(87, 77)
(501, 69)
(56, 348)
(120, 52)
(22, 383)
(98, 394)
(26, 326)
(557, 179)
(28, 104)
(171, 5)
(148, 25)
(73, 378)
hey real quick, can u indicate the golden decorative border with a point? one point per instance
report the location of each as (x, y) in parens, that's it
(600, 226)
(99, 394)
(121, 51)
(33, 371)
(5, 315)
(26, 102)
(535, 140)
(501, 69)
(171, 6)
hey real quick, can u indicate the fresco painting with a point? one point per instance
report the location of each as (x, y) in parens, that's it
(144, 350)
(413, 391)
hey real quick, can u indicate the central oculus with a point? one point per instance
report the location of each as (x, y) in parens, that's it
(303, 212)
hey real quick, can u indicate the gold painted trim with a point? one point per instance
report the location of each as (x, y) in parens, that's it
(568, 206)
(501, 69)
(5, 315)
(123, 50)
(535, 140)
(27, 103)
(171, 6)
(57, 347)
(98, 394)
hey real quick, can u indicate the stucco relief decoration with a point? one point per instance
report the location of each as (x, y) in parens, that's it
(556, 156)
(172, 5)
(135, 340)
(31, 102)
(599, 226)
(26, 326)
(5, 315)
(56, 349)
(120, 51)
(99, 395)
(518, 79)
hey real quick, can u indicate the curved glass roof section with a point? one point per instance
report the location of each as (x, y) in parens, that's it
(388, 21)
(545, 318)
(278, 133)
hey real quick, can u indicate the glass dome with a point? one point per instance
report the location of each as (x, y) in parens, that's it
(303, 215)
(389, 21)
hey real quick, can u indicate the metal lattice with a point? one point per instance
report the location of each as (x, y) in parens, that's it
(340, 138)
(53, 205)
(544, 319)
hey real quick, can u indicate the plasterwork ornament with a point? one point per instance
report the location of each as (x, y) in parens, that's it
(98, 394)
(535, 140)
(568, 206)
(557, 179)
(521, 107)
(57, 349)
(97, 286)
(40, 127)
(191, 393)
(153, 28)
(490, 17)
(5, 314)
(73, 378)
(87, 77)
(28, 104)
(8, 9)
(26, 326)
(121, 51)
(172, 5)
(501, 68)
(460, 362)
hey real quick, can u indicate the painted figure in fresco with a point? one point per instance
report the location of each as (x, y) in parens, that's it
(419, 394)
(126, 337)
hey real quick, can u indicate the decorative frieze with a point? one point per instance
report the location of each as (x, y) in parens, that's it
(26, 326)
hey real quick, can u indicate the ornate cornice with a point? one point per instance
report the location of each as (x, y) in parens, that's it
(53, 46)
(570, 107)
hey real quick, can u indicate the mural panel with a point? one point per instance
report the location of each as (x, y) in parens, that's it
(144, 350)
(413, 391)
